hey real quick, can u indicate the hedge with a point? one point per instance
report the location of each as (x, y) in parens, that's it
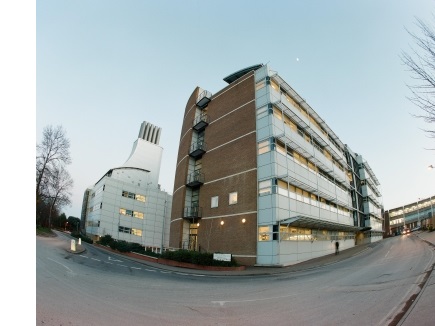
(185, 256)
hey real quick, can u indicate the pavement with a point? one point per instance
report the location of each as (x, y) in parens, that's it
(418, 311)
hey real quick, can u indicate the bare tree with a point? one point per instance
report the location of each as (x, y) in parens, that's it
(58, 188)
(421, 64)
(51, 158)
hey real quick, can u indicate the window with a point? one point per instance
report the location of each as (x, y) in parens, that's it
(214, 201)
(274, 85)
(233, 198)
(137, 232)
(138, 215)
(277, 113)
(262, 112)
(282, 188)
(263, 233)
(260, 85)
(280, 147)
(263, 147)
(265, 187)
(292, 192)
(124, 229)
(131, 195)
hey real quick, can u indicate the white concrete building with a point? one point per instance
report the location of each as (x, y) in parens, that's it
(127, 201)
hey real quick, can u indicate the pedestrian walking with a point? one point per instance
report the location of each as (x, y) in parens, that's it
(337, 244)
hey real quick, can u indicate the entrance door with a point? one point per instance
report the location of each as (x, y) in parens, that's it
(193, 233)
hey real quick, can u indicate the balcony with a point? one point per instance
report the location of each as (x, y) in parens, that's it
(203, 99)
(197, 149)
(192, 214)
(200, 122)
(195, 179)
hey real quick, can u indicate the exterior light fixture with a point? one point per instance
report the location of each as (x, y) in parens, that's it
(197, 224)
(222, 222)
(430, 167)
(244, 220)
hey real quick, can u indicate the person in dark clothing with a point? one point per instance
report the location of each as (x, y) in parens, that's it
(337, 244)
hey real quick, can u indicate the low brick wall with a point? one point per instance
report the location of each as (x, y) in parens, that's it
(172, 262)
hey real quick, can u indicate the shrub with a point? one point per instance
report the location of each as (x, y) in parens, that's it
(122, 246)
(106, 240)
(185, 256)
(84, 238)
(195, 257)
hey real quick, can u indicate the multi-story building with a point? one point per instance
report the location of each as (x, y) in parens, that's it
(417, 214)
(127, 202)
(262, 177)
(366, 198)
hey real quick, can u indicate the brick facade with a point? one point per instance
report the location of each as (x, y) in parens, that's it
(229, 165)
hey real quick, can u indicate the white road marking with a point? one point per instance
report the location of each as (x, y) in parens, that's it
(69, 271)
(222, 302)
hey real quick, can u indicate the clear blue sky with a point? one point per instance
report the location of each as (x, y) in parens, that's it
(103, 67)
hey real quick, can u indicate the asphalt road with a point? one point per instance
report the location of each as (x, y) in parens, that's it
(99, 288)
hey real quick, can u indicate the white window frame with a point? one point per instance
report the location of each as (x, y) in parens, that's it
(232, 198)
(214, 202)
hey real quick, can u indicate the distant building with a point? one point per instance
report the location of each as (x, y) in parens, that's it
(412, 215)
(261, 176)
(127, 202)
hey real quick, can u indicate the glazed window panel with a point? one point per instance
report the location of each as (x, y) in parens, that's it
(314, 200)
(124, 229)
(262, 112)
(303, 161)
(306, 197)
(292, 192)
(137, 232)
(307, 138)
(274, 85)
(138, 215)
(260, 85)
(265, 187)
(277, 113)
(280, 148)
(263, 147)
(214, 202)
(282, 188)
(299, 194)
(232, 200)
(312, 167)
(263, 233)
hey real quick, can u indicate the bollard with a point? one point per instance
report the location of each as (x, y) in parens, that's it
(80, 241)
(73, 245)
